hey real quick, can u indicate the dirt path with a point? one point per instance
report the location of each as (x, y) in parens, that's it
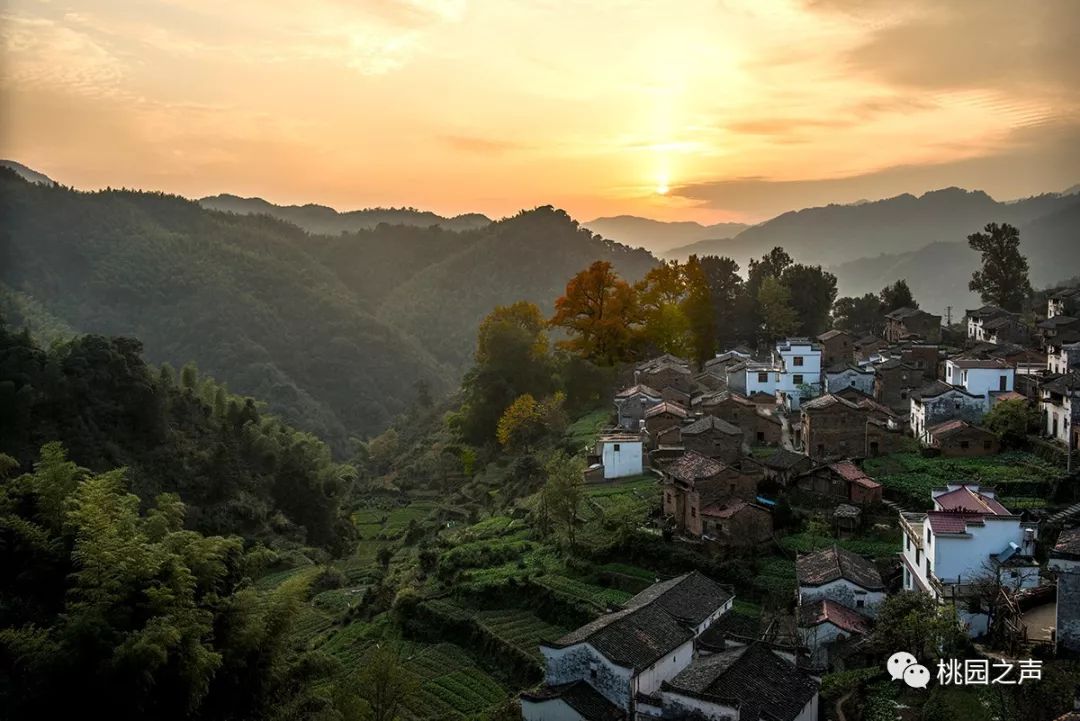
(840, 706)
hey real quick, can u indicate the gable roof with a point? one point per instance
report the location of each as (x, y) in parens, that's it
(1063, 384)
(969, 500)
(636, 389)
(964, 363)
(653, 623)
(1058, 321)
(710, 423)
(581, 697)
(1068, 544)
(939, 388)
(666, 407)
(752, 678)
(830, 564)
(693, 466)
(830, 334)
(953, 427)
(827, 610)
(852, 473)
(732, 509)
(827, 401)
(953, 522)
(987, 312)
(905, 313)
(783, 459)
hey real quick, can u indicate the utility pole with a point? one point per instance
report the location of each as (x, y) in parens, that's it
(948, 315)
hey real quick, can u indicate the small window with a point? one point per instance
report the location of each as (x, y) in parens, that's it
(693, 512)
(763, 377)
(964, 445)
(1003, 383)
(860, 603)
(903, 395)
(761, 436)
(986, 445)
(616, 447)
(797, 360)
(798, 380)
(821, 449)
(929, 567)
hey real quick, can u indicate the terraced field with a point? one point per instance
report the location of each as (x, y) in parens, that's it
(600, 597)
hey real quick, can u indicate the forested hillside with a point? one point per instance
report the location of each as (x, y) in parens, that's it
(321, 219)
(334, 331)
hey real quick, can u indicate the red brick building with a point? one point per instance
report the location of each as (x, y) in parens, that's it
(694, 482)
(837, 346)
(958, 438)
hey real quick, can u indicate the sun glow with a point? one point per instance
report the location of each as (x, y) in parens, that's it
(662, 186)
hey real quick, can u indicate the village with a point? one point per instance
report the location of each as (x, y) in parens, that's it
(742, 442)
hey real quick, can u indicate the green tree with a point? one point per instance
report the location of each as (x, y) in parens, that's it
(377, 692)
(1003, 280)
(779, 319)
(697, 307)
(812, 292)
(896, 296)
(917, 623)
(562, 494)
(860, 315)
(725, 289)
(1013, 421)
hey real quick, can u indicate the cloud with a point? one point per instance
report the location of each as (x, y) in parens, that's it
(1046, 156)
(39, 52)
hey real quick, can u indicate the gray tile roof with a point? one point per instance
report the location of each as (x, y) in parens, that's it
(830, 564)
(709, 423)
(752, 678)
(653, 623)
(581, 697)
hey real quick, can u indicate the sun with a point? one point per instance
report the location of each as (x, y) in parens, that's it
(662, 186)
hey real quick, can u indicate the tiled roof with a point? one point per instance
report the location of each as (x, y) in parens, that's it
(830, 611)
(826, 401)
(581, 697)
(721, 396)
(953, 521)
(710, 423)
(970, 500)
(753, 678)
(692, 466)
(987, 311)
(652, 623)
(727, 511)
(1066, 293)
(846, 510)
(1009, 396)
(938, 388)
(850, 472)
(905, 313)
(784, 459)
(989, 363)
(1068, 543)
(639, 388)
(1001, 322)
(830, 334)
(830, 564)
(666, 360)
(1063, 384)
(666, 407)
(1058, 321)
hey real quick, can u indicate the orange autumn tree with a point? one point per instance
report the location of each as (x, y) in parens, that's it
(600, 312)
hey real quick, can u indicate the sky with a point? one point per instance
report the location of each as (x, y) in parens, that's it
(719, 110)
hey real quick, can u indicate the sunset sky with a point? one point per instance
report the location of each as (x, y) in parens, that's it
(710, 111)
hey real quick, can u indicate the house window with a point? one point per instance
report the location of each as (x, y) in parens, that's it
(860, 603)
(762, 377)
(693, 512)
(616, 447)
(986, 445)
(903, 395)
(761, 436)
(797, 360)
(929, 568)
(1003, 383)
(798, 380)
(928, 535)
(918, 556)
(907, 538)
(593, 670)
(964, 445)
(821, 449)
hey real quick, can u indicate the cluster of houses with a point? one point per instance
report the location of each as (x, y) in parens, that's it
(658, 657)
(724, 439)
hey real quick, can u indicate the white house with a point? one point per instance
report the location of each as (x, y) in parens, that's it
(978, 318)
(980, 377)
(938, 402)
(1063, 302)
(825, 622)
(621, 455)
(629, 652)
(1060, 404)
(800, 371)
(968, 538)
(752, 377)
(1062, 357)
(746, 683)
(841, 576)
(860, 378)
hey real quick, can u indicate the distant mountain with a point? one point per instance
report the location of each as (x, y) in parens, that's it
(938, 273)
(321, 219)
(658, 236)
(333, 330)
(28, 174)
(712, 246)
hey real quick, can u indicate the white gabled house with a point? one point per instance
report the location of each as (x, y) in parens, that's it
(965, 541)
(1060, 404)
(861, 378)
(840, 576)
(630, 652)
(620, 455)
(800, 371)
(938, 402)
(981, 377)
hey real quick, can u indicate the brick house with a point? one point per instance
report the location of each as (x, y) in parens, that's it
(760, 426)
(713, 437)
(694, 482)
(837, 346)
(833, 426)
(665, 371)
(868, 346)
(842, 481)
(825, 624)
(911, 322)
(737, 523)
(784, 465)
(894, 380)
(925, 357)
(662, 416)
(958, 438)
